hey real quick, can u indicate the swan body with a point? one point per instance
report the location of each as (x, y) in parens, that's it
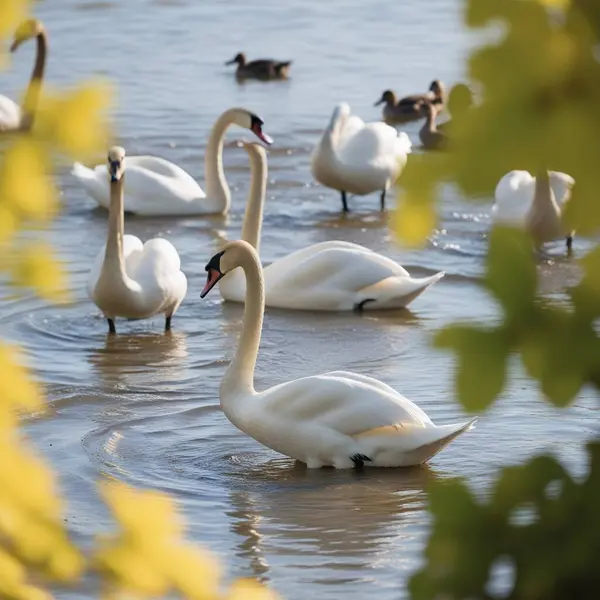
(534, 203)
(156, 186)
(328, 276)
(10, 114)
(358, 158)
(129, 278)
(338, 419)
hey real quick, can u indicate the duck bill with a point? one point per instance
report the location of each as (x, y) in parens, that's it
(380, 101)
(261, 135)
(212, 279)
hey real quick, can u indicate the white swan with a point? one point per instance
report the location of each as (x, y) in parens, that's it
(337, 419)
(534, 203)
(156, 186)
(358, 158)
(333, 275)
(130, 279)
(12, 118)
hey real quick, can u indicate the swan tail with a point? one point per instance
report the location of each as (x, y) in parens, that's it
(404, 144)
(406, 444)
(394, 292)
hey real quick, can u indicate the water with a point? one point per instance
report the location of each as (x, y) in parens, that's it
(144, 406)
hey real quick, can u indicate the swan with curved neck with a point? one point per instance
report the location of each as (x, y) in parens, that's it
(13, 117)
(130, 279)
(329, 276)
(156, 186)
(535, 204)
(338, 419)
(357, 157)
(430, 137)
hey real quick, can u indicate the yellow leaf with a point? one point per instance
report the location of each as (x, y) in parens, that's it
(36, 267)
(11, 13)
(77, 122)
(414, 219)
(25, 188)
(248, 589)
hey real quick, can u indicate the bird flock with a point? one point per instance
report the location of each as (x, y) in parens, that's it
(339, 419)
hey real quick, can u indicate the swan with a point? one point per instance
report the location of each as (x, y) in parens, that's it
(130, 279)
(337, 419)
(410, 108)
(331, 276)
(534, 203)
(156, 186)
(263, 69)
(359, 158)
(12, 117)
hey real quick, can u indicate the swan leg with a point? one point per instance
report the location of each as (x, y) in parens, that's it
(359, 460)
(111, 326)
(382, 201)
(360, 306)
(344, 203)
(569, 245)
(168, 322)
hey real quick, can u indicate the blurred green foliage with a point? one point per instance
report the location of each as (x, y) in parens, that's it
(539, 106)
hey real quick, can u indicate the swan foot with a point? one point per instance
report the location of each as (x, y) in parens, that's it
(111, 326)
(168, 322)
(382, 201)
(360, 306)
(359, 460)
(569, 245)
(344, 203)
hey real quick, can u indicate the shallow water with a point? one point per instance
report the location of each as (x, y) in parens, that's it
(144, 406)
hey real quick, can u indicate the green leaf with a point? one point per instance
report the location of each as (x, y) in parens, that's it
(482, 355)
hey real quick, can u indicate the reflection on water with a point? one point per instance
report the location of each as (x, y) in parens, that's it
(143, 406)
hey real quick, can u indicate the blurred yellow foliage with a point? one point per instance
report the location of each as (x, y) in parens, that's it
(147, 556)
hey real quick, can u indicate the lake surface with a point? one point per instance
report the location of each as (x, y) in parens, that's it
(143, 406)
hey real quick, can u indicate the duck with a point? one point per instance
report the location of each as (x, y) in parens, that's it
(535, 204)
(338, 419)
(328, 276)
(357, 157)
(158, 187)
(410, 108)
(263, 69)
(12, 116)
(430, 137)
(128, 278)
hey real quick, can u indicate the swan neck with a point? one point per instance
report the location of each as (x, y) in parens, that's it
(253, 216)
(113, 256)
(239, 377)
(32, 95)
(543, 195)
(216, 184)
(430, 122)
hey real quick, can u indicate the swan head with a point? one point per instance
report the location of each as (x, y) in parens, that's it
(254, 150)
(116, 163)
(248, 120)
(460, 99)
(222, 262)
(239, 58)
(388, 97)
(25, 31)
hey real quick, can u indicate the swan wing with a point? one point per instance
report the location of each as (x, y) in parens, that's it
(345, 402)
(328, 277)
(153, 186)
(561, 184)
(156, 267)
(513, 196)
(10, 114)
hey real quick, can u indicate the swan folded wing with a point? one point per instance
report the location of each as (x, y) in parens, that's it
(331, 271)
(10, 114)
(561, 185)
(346, 403)
(514, 196)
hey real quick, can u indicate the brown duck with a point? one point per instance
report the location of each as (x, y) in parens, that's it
(431, 138)
(411, 108)
(263, 69)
